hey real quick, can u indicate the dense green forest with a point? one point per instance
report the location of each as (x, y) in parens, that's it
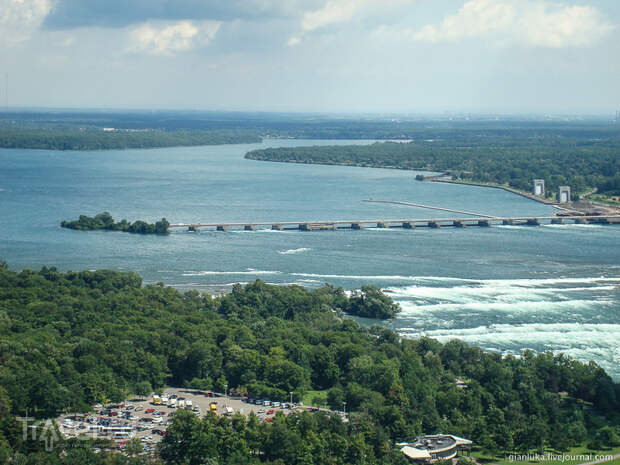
(106, 222)
(512, 161)
(68, 340)
(97, 139)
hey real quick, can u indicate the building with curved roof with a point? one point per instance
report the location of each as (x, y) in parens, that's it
(428, 449)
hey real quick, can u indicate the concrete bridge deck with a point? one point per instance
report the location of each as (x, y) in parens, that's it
(483, 221)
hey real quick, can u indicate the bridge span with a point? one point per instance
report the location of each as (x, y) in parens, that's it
(434, 223)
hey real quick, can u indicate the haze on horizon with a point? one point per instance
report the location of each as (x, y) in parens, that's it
(411, 56)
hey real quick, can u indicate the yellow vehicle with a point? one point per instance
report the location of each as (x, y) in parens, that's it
(156, 400)
(213, 407)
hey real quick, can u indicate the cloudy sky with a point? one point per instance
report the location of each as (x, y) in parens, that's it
(410, 56)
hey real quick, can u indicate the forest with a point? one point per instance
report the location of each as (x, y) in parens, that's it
(97, 139)
(106, 222)
(71, 339)
(511, 161)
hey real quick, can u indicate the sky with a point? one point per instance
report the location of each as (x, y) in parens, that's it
(335, 56)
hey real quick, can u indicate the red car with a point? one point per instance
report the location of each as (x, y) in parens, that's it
(149, 410)
(270, 412)
(268, 420)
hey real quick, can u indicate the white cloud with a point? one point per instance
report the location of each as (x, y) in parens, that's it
(570, 26)
(342, 11)
(293, 41)
(168, 39)
(20, 18)
(529, 22)
(334, 11)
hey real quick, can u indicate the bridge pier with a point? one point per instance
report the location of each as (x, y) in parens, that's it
(433, 224)
(193, 228)
(508, 222)
(317, 227)
(581, 221)
(382, 224)
(276, 227)
(221, 227)
(408, 225)
(532, 222)
(557, 221)
(458, 224)
(357, 226)
(249, 227)
(484, 223)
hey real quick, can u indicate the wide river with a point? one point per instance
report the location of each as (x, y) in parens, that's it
(502, 288)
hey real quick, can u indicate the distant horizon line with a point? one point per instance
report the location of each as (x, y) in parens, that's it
(445, 114)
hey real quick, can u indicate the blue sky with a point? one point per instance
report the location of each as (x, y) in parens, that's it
(404, 56)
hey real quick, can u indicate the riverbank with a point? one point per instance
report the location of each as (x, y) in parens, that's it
(582, 206)
(527, 195)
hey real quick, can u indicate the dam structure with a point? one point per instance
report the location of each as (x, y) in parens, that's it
(433, 223)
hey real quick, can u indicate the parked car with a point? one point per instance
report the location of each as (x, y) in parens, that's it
(149, 410)
(270, 411)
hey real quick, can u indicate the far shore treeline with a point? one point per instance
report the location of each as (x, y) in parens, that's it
(69, 340)
(586, 165)
(97, 139)
(106, 222)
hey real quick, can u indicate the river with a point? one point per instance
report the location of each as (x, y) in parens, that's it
(503, 288)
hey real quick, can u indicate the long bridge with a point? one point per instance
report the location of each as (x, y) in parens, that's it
(482, 221)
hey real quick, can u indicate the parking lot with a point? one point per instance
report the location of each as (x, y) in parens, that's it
(144, 419)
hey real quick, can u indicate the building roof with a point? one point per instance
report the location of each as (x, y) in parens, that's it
(424, 446)
(415, 454)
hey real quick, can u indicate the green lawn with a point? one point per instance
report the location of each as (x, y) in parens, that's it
(308, 398)
(575, 451)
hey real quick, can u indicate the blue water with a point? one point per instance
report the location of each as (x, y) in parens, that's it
(503, 288)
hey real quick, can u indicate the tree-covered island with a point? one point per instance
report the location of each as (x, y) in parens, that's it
(105, 221)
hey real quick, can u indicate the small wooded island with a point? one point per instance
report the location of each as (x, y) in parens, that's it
(106, 222)
(370, 302)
